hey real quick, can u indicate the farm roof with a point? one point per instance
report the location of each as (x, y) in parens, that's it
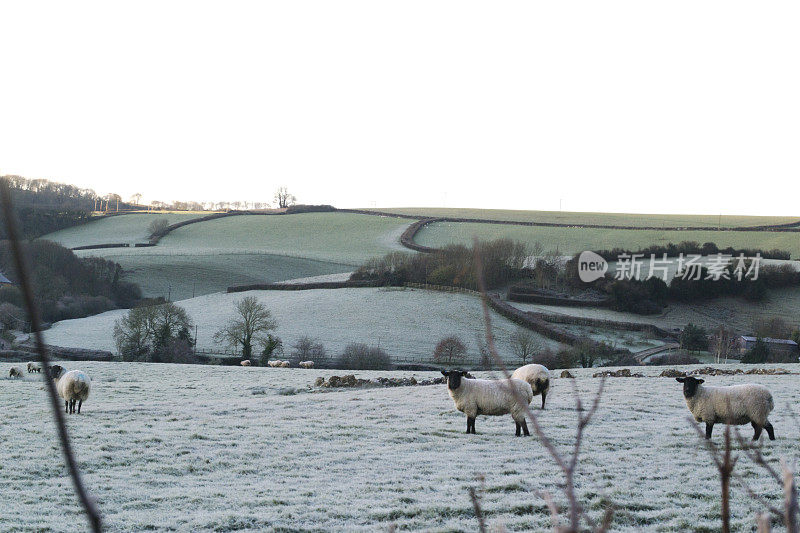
(4, 279)
(770, 340)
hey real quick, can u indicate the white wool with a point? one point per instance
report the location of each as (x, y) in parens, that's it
(74, 385)
(306, 364)
(537, 376)
(15, 372)
(735, 404)
(33, 366)
(246, 362)
(476, 397)
(284, 364)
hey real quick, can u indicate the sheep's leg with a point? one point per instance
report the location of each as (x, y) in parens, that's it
(470, 425)
(66, 406)
(544, 397)
(770, 430)
(525, 428)
(757, 430)
(709, 428)
(519, 430)
(80, 402)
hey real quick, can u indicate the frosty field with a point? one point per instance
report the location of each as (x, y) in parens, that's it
(188, 448)
(407, 323)
(114, 229)
(575, 240)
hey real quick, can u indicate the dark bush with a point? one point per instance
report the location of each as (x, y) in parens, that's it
(359, 356)
(694, 338)
(759, 353)
(308, 349)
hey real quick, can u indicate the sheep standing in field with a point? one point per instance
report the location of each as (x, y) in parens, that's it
(34, 367)
(15, 372)
(72, 386)
(246, 362)
(285, 364)
(475, 397)
(306, 364)
(537, 376)
(734, 405)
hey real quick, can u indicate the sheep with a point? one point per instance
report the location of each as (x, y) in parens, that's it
(73, 386)
(475, 397)
(285, 364)
(537, 376)
(15, 372)
(306, 364)
(246, 362)
(734, 405)
(34, 367)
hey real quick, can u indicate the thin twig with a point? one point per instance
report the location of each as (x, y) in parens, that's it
(92, 513)
(476, 505)
(576, 511)
(790, 499)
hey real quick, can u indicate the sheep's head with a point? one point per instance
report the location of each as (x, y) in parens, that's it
(690, 385)
(56, 371)
(454, 378)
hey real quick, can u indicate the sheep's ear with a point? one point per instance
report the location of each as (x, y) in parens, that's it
(701, 381)
(681, 380)
(444, 373)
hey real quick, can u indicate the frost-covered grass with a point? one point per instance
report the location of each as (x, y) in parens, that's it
(575, 240)
(614, 219)
(191, 448)
(407, 323)
(114, 229)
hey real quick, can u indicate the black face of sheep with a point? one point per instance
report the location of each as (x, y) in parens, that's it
(454, 378)
(56, 371)
(689, 385)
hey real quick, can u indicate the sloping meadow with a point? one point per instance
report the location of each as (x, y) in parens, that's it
(211, 448)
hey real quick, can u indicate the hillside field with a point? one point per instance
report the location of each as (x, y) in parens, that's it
(407, 323)
(181, 447)
(570, 241)
(612, 219)
(128, 229)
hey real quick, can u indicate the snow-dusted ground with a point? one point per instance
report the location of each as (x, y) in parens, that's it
(407, 323)
(190, 448)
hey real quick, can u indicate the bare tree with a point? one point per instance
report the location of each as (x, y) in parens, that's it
(252, 323)
(136, 198)
(449, 350)
(723, 343)
(283, 198)
(525, 344)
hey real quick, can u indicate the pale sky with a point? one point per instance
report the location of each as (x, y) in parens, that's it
(633, 106)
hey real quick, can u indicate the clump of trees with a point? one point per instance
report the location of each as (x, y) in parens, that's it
(360, 356)
(283, 198)
(694, 338)
(65, 285)
(250, 326)
(155, 333)
(503, 261)
(308, 349)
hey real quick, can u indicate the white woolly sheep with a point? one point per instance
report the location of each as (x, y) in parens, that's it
(537, 376)
(72, 386)
(33, 366)
(15, 372)
(285, 364)
(306, 364)
(273, 364)
(246, 362)
(475, 397)
(734, 405)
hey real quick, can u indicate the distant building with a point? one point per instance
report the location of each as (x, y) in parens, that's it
(4, 280)
(776, 346)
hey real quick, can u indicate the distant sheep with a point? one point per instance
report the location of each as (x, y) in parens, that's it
(537, 376)
(489, 397)
(246, 362)
(15, 372)
(273, 364)
(285, 364)
(735, 405)
(306, 364)
(33, 366)
(72, 386)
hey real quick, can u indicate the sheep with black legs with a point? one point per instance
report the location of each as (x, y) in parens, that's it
(72, 386)
(475, 397)
(537, 376)
(33, 366)
(735, 405)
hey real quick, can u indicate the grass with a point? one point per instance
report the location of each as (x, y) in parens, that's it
(114, 229)
(227, 459)
(574, 240)
(406, 323)
(616, 219)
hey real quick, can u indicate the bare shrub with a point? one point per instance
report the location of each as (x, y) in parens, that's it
(359, 356)
(158, 226)
(308, 349)
(450, 350)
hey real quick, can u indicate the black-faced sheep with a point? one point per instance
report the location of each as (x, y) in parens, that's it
(475, 397)
(735, 405)
(72, 386)
(537, 376)
(33, 366)
(15, 372)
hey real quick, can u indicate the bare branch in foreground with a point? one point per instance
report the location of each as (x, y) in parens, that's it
(568, 467)
(33, 316)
